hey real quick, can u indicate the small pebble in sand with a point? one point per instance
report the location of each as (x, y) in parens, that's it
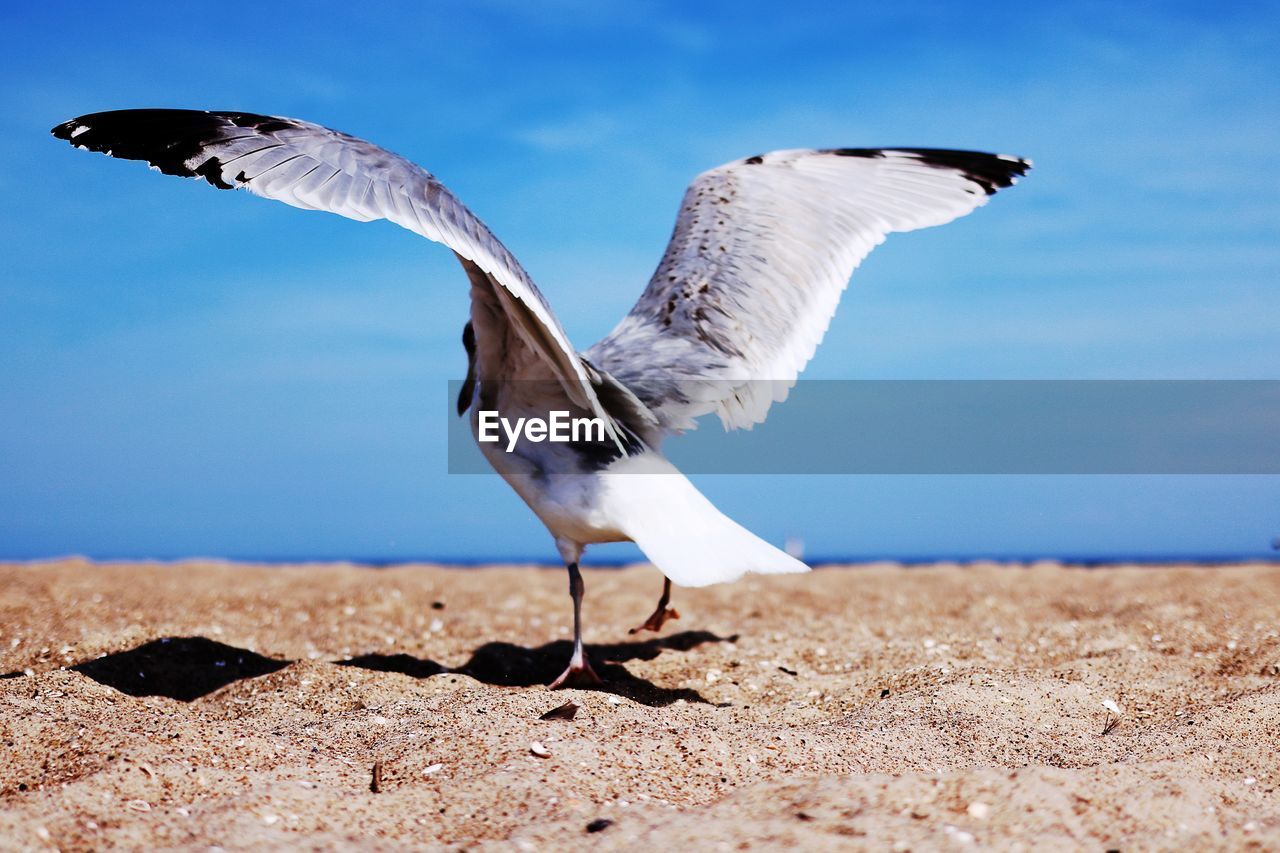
(270, 819)
(436, 626)
(138, 805)
(434, 768)
(380, 721)
(713, 675)
(979, 811)
(539, 750)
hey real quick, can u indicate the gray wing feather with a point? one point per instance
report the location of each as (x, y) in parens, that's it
(762, 250)
(315, 168)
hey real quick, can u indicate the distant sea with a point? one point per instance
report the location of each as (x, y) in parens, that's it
(1083, 560)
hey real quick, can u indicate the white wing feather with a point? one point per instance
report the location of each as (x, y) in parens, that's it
(762, 250)
(315, 168)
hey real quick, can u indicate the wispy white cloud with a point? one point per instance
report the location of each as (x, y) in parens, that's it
(589, 131)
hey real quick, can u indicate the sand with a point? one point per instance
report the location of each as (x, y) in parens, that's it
(200, 704)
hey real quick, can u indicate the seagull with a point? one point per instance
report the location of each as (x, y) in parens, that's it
(763, 247)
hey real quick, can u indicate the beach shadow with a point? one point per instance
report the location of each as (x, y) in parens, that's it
(188, 668)
(182, 668)
(401, 663)
(509, 665)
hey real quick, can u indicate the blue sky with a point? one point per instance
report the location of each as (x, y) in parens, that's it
(184, 371)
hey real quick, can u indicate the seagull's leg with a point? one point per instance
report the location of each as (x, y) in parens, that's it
(579, 670)
(661, 614)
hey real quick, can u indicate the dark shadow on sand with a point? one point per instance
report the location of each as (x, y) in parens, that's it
(182, 668)
(187, 668)
(509, 665)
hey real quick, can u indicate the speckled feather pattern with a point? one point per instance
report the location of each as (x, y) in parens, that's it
(762, 250)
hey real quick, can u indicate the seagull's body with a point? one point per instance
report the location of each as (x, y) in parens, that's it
(762, 249)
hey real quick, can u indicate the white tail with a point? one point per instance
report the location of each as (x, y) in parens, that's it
(681, 532)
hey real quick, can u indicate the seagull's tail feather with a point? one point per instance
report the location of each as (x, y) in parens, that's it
(682, 533)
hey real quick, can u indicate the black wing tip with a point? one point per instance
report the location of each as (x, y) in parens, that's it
(171, 140)
(114, 119)
(990, 171)
(170, 115)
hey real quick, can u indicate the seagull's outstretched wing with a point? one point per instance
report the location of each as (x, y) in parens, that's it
(762, 250)
(316, 168)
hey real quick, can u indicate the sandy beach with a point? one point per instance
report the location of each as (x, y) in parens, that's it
(199, 704)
